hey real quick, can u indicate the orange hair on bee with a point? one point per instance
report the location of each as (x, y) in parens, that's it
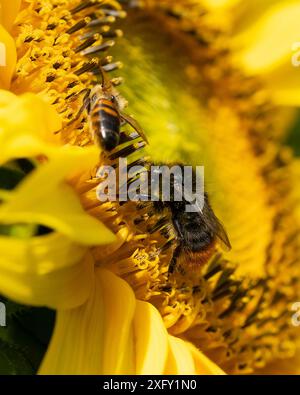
(195, 260)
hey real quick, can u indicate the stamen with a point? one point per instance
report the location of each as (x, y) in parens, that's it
(72, 84)
(123, 153)
(113, 66)
(116, 13)
(169, 244)
(160, 224)
(79, 25)
(117, 81)
(99, 48)
(112, 33)
(89, 66)
(84, 5)
(101, 21)
(214, 267)
(107, 59)
(87, 43)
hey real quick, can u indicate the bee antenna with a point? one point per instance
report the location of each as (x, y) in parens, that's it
(106, 84)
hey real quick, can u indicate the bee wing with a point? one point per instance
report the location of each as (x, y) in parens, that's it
(215, 225)
(135, 125)
(222, 236)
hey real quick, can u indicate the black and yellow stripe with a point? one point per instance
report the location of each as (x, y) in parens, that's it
(106, 124)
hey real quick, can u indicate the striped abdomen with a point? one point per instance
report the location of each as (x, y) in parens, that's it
(105, 124)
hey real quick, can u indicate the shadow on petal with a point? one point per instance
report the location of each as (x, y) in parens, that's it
(46, 271)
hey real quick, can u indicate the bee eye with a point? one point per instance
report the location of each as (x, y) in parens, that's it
(113, 99)
(94, 98)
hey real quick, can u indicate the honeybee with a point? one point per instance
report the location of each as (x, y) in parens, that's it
(105, 110)
(196, 234)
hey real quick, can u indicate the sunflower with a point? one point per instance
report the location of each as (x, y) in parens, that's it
(199, 83)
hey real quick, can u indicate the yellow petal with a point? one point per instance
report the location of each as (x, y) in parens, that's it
(76, 346)
(151, 340)
(45, 271)
(95, 338)
(8, 12)
(241, 13)
(119, 308)
(180, 359)
(44, 198)
(203, 364)
(267, 44)
(27, 126)
(8, 58)
(215, 4)
(284, 84)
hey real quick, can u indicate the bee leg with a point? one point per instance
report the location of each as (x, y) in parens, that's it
(73, 96)
(106, 83)
(173, 262)
(160, 224)
(85, 105)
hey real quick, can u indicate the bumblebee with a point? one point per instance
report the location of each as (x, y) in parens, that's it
(196, 234)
